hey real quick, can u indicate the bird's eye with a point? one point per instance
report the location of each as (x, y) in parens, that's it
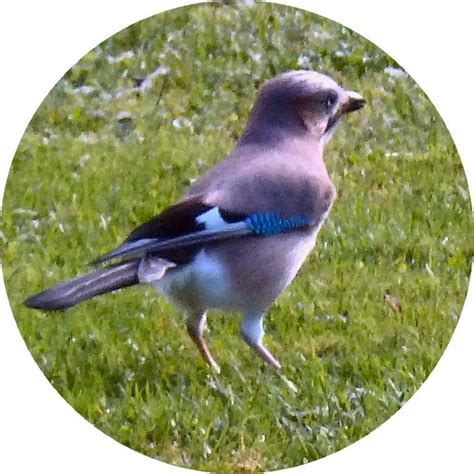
(329, 102)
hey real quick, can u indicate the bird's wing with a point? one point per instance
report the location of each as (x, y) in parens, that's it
(181, 230)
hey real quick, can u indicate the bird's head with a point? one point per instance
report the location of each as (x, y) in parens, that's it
(301, 102)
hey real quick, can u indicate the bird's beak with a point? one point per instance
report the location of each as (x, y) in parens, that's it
(354, 102)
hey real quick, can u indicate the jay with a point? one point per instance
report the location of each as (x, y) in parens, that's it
(238, 237)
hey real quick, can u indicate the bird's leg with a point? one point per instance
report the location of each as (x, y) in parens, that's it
(195, 324)
(252, 332)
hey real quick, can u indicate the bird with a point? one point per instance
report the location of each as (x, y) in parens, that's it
(240, 234)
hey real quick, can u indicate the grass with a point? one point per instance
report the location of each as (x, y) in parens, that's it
(99, 157)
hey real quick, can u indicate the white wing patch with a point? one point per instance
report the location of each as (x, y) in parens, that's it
(212, 219)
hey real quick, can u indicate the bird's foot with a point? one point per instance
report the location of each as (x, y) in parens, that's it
(265, 354)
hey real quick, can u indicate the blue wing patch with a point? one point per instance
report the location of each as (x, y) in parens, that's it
(271, 224)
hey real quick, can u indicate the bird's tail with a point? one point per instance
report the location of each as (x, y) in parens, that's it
(85, 287)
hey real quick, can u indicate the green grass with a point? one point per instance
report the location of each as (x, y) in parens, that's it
(81, 180)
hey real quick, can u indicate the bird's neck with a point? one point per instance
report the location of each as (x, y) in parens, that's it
(272, 124)
(269, 127)
(287, 134)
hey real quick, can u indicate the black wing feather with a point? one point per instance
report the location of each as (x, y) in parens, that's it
(176, 221)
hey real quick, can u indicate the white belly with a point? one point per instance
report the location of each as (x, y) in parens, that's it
(202, 284)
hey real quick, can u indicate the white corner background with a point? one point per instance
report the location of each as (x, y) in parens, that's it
(40, 40)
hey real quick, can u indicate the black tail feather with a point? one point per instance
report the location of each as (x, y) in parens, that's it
(86, 287)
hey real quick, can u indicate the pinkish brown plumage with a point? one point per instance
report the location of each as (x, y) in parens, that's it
(239, 236)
